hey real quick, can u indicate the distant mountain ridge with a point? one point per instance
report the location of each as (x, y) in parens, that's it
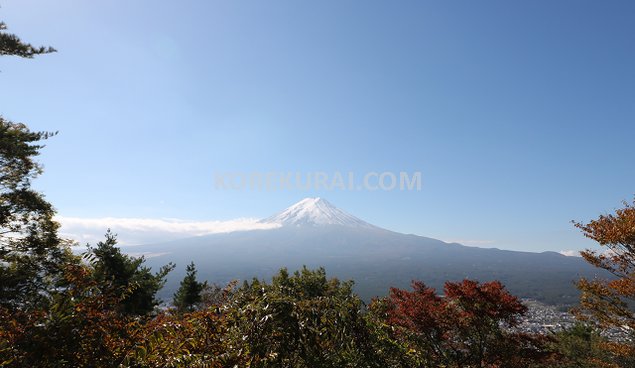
(315, 233)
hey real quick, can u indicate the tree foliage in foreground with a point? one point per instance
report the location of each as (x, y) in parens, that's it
(302, 319)
(470, 325)
(30, 249)
(136, 284)
(610, 302)
(582, 346)
(57, 310)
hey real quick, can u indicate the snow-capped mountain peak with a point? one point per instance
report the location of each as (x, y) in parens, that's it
(315, 212)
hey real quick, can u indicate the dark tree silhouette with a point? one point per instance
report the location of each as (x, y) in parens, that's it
(136, 283)
(189, 293)
(11, 44)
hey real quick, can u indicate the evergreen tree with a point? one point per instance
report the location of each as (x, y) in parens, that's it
(582, 346)
(29, 245)
(11, 44)
(189, 293)
(135, 282)
(30, 250)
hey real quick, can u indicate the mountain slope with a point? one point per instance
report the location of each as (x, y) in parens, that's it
(315, 212)
(315, 233)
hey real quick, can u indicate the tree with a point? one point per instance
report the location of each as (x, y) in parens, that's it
(299, 320)
(471, 325)
(609, 302)
(136, 283)
(29, 246)
(82, 327)
(214, 296)
(196, 339)
(189, 293)
(11, 44)
(582, 346)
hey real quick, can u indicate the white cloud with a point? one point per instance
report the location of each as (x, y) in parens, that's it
(146, 230)
(570, 253)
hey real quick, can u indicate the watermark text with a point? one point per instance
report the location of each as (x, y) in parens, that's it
(318, 180)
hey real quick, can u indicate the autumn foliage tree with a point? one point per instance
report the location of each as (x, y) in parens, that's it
(196, 339)
(609, 302)
(81, 327)
(471, 325)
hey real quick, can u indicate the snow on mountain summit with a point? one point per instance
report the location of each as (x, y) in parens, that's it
(315, 211)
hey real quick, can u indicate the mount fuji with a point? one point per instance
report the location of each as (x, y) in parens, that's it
(315, 212)
(315, 233)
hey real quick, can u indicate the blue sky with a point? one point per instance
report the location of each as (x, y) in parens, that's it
(519, 115)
